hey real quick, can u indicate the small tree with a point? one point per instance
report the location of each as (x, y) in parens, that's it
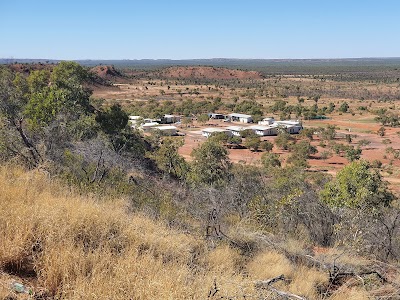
(168, 160)
(328, 133)
(357, 185)
(352, 153)
(203, 118)
(283, 140)
(211, 165)
(344, 107)
(300, 153)
(381, 131)
(270, 160)
(252, 142)
(326, 154)
(266, 145)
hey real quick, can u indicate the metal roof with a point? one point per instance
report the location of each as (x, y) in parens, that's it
(150, 124)
(235, 128)
(167, 127)
(239, 115)
(214, 130)
(260, 127)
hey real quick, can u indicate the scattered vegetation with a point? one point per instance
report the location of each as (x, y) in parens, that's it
(92, 208)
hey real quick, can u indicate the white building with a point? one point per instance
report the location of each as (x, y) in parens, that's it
(242, 118)
(266, 121)
(291, 126)
(236, 130)
(166, 129)
(148, 126)
(264, 130)
(207, 132)
(216, 116)
(169, 119)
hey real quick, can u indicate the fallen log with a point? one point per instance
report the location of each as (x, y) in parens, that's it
(267, 284)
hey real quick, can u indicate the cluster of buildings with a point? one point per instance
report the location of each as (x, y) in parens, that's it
(266, 127)
(163, 124)
(234, 117)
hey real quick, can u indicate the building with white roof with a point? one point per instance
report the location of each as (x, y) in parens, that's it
(242, 118)
(166, 129)
(169, 119)
(207, 132)
(266, 121)
(236, 130)
(264, 130)
(148, 126)
(291, 126)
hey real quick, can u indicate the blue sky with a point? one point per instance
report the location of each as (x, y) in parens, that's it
(199, 29)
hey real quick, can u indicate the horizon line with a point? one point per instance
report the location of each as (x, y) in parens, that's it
(183, 59)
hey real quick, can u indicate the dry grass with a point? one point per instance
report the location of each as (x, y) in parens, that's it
(74, 247)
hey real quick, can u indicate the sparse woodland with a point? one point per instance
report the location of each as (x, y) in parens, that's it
(92, 209)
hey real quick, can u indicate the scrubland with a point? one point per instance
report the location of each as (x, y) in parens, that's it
(93, 209)
(69, 246)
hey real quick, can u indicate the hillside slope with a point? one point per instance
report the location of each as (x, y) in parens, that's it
(66, 246)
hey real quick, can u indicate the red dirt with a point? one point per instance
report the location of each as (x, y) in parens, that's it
(28, 68)
(374, 151)
(107, 72)
(208, 73)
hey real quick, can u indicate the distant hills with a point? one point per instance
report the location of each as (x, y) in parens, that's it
(225, 62)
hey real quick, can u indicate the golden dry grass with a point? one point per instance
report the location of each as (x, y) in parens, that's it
(74, 247)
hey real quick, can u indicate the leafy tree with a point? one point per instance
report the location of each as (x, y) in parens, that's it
(331, 108)
(270, 160)
(352, 153)
(44, 106)
(344, 107)
(168, 159)
(38, 80)
(357, 185)
(66, 94)
(283, 140)
(328, 133)
(219, 137)
(307, 133)
(203, 118)
(326, 154)
(246, 133)
(113, 120)
(266, 145)
(14, 137)
(210, 164)
(301, 151)
(252, 142)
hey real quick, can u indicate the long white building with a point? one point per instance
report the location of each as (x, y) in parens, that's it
(207, 132)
